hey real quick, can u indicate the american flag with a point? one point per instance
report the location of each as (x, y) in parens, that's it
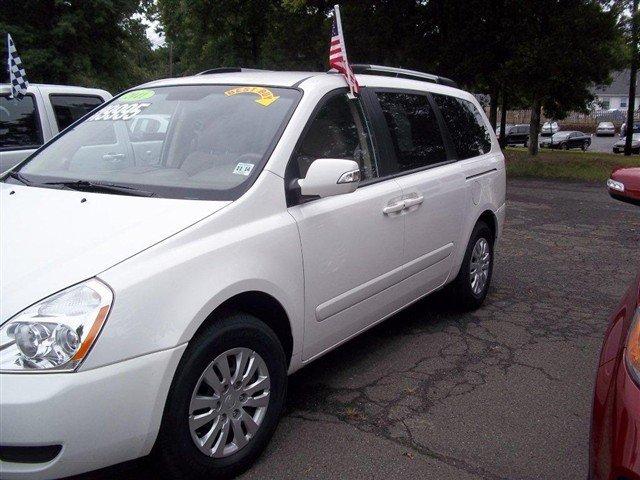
(338, 53)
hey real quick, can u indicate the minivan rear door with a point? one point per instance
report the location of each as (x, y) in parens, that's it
(433, 186)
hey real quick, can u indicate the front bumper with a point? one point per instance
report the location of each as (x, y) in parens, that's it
(99, 417)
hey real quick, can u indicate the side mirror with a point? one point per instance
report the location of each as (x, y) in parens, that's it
(327, 177)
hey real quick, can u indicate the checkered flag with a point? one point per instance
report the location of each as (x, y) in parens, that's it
(17, 75)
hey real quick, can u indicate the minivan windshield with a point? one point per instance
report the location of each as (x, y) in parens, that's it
(189, 141)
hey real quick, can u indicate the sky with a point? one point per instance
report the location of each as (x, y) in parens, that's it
(157, 40)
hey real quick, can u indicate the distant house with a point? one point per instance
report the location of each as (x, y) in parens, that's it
(616, 95)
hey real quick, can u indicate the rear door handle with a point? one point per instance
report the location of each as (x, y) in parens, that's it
(113, 157)
(394, 207)
(413, 200)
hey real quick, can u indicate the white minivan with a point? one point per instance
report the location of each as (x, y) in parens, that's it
(158, 283)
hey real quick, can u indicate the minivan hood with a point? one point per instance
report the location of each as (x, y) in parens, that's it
(52, 238)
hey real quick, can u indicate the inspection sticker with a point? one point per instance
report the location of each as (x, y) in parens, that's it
(266, 96)
(120, 111)
(243, 169)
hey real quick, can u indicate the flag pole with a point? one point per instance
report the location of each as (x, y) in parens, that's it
(7, 64)
(336, 10)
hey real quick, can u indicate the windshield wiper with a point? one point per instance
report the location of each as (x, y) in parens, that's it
(18, 176)
(86, 186)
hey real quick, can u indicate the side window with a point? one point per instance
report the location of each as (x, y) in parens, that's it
(466, 127)
(69, 108)
(19, 123)
(339, 130)
(414, 130)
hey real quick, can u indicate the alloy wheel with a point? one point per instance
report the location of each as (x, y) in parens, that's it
(229, 402)
(479, 266)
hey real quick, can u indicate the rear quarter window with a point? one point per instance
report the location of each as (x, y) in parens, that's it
(467, 129)
(19, 123)
(69, 108)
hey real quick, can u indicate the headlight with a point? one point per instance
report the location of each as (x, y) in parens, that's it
(613, 185)
(57, 332)
(632, 350)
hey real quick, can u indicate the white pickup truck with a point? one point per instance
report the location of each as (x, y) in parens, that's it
(46, 110)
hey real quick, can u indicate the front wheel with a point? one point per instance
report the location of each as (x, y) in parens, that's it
(471, 285)
(585, 146)
(225, 401)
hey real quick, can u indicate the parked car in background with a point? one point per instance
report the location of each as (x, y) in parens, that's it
(506, 128)
(614, 445)
(517, 135)
(567, 140)
(28, 123)
(623, 129)
(549, 128)
(624, 185)
(606, 129)
(618, 147)
(174, 294)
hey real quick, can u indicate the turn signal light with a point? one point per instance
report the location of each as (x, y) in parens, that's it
(632, 352)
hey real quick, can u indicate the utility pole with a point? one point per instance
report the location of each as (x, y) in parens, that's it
(632, 81)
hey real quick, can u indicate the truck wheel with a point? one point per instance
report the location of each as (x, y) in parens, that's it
(474, 278)
(225, 400)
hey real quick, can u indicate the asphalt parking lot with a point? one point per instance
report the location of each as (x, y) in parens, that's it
(603, 144)
(501, 393)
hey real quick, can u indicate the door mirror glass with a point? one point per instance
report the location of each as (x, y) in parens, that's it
(327, 177)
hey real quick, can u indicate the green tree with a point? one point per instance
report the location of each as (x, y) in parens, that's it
(214, 33)
(98, 43)
(564, 48)
(545, 54)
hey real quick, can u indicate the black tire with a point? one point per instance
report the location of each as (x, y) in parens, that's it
(564, 146)
(461, 289)
(526, 144)
(175, 450)
(585, 146)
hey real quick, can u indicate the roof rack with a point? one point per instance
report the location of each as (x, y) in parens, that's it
(212, 71)
(401, 73)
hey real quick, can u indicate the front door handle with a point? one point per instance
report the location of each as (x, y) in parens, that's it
(394, 207)
(413, 200)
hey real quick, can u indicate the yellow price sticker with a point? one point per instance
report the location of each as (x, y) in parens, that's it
(266, 96)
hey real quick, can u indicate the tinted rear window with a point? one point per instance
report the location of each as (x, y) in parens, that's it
(69, 108)
(468, 132)
(416, 138)
(19, 125)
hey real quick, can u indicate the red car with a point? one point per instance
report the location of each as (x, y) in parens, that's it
(614, 452)
(624, 185)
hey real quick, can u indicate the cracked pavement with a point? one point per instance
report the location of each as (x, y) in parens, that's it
(500, 393)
